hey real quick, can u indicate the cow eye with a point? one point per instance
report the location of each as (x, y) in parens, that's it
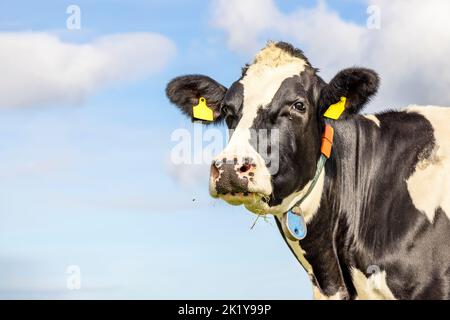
(299, 106)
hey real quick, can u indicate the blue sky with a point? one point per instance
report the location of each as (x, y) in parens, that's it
(85, 181)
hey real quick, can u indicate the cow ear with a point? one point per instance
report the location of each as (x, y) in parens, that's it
(357, 85)
(185, 92)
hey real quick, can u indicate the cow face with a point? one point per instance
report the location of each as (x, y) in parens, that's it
(274, 113)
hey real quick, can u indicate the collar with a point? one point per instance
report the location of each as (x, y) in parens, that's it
(293, 223)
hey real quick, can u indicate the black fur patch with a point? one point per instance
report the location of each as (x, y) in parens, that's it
(358, 85)
(229, 181)
(185, 92)
(299, 135)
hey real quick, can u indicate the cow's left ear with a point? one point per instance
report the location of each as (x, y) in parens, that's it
(357, 85)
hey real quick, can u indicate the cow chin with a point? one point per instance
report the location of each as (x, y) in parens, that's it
(255, 197)
(254, 202)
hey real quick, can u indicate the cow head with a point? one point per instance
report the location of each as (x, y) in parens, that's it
(280, 95)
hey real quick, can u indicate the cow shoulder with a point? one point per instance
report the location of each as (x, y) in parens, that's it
(429, 185)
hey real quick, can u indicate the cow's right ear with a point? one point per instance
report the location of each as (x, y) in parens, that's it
(357, 85)
(185, 92)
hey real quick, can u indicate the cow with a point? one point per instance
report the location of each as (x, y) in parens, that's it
(377, 215)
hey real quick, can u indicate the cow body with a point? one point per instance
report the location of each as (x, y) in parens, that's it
(382, 229)
(378, 214)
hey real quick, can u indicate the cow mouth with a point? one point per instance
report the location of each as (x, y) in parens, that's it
(253, 201)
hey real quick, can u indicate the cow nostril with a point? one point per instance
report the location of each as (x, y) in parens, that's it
(245, 168)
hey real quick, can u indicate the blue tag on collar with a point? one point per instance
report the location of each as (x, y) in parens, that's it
(294, 226)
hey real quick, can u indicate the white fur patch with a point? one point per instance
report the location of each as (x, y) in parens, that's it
(429, 185)
(318, 295)
(373, 287)
(373, 118)
(263, 78)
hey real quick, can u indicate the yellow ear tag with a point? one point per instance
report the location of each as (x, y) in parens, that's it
(202, 111)
(335, 110)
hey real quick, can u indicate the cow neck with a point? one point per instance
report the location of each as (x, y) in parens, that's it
(325, 152)
(294, 224)
(293, 221)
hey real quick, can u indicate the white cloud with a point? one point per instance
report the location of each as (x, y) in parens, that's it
(40, 69)
(410, 51)
(244, 21)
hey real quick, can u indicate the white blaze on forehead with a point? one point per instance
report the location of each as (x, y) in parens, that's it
(263, 78)
(271, 66)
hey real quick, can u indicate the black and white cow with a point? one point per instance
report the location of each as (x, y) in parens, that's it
(378, 216)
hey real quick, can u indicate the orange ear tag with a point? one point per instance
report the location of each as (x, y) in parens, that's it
(202, 111)
(327, 140)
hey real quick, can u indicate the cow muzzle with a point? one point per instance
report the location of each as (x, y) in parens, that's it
(239, 181)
